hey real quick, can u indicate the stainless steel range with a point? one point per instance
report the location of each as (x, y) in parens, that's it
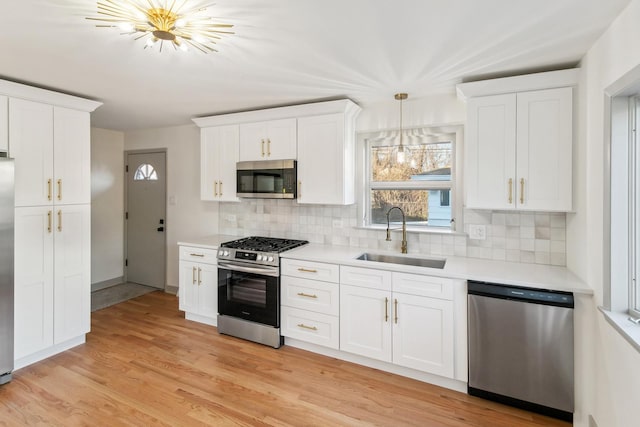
(249, 288)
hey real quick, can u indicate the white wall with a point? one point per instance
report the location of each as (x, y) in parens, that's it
(107, 205)
(609, 364)
(187, 216)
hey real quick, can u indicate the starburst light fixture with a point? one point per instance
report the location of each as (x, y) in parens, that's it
(182, 23)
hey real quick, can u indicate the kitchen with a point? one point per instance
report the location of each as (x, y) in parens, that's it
(607, 390)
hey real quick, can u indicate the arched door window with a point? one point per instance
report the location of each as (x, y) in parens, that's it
(145, 172)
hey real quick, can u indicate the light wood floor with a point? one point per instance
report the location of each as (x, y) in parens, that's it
(145, 365)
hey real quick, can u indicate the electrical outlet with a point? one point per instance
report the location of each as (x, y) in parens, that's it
(477, 232)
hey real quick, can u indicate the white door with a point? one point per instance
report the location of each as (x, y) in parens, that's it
(545, 138)
(72, 156)
(490, 161)
(146, 207)
(188, 289)
(423, 334)
(72, 266)
(208, 290)
(365, 322)
(34, 227)
(31, 136)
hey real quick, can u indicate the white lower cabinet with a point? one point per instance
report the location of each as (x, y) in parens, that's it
(410, 330)
(52, 277)
(198, 284)
(310, 306)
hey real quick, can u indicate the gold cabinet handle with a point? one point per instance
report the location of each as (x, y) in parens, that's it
(521, 190)
(199, 255)
(302, 294)
(59, 189)
(510, 190)
(302, 325)
(193, 275)
(49, 221)
(215, 188)
(306, 270)
(49, 189)
(59, 220)
(395, 310)
(299, 188)
(199, 276)
(220, 188)
(262, 147)
(386, 309)
(268, 147)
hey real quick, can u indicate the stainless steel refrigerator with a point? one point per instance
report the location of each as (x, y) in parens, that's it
(6, 267)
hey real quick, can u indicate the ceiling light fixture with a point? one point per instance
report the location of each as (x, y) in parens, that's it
(400, 154)
(181, 23)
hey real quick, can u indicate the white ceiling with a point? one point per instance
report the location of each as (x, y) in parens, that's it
(292, 51)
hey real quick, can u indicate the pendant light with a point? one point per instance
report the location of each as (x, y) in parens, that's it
(400, 155)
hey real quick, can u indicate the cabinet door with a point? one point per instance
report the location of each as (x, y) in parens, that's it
(228, 157)
(423, 334)
(33, 280)
(72, 267)
(271, 140)
(325, 162)
(31, 136)
(188, 286)
(544, 150)
(72, 156)
(208, 290)
(365, 322)
(218, 157)
(490, 161)
(4, 123)
(253, 141)
(281, 139)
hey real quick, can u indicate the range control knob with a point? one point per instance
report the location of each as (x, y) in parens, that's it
(226, 253)
(259, 257)
(221, 252)
(270, 259)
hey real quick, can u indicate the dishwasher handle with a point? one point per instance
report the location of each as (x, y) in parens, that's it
(518, 293)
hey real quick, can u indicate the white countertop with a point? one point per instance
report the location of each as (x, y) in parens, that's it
(509, 273)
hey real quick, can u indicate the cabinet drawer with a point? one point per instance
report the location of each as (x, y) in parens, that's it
(314, 295)
(310, 270)
(365, 277)
(309, 326)
(427, 286)
(207, 256)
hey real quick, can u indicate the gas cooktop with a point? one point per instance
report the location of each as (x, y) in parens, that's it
(264, 244)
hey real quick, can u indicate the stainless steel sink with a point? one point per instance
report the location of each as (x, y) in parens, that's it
(391, 259)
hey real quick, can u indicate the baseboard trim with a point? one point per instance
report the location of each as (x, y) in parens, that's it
(106, 283)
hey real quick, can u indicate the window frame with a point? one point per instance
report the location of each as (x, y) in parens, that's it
(634, 207)
(443, 133)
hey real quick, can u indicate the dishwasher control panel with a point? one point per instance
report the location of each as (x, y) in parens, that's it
(542, 296)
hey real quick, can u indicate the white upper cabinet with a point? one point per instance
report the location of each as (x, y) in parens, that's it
(51, 148)
(4, 123)
(326, 160)
(518, 148)
(218, 158)
(269, 140)
(31, 136)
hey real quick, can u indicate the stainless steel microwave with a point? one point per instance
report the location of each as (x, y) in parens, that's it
(267, 179)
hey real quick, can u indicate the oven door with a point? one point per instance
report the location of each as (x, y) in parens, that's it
(246, 292)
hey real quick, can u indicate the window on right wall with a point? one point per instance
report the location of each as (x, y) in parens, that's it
(634, 207)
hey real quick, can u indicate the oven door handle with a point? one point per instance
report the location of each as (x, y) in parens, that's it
(233, 266)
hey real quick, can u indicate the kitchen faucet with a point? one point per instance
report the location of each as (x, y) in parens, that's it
(404, 229)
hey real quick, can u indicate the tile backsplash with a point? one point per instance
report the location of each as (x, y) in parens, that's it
(525, 237)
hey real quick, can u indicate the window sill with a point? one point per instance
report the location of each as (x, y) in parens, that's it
(620, 322)
(395, 227)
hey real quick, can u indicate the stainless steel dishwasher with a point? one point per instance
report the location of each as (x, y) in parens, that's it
(521, 347)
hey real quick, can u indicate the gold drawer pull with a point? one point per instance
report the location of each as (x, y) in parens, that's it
(302, 294)
(200, 255)
(395, 308)
(49, 221)
(215, 188)
(521, 190)
(268, 148)
(59, 220)
(59, 189)
(262, 148)
(386, 309)
(302, 325)
(49, 189)
(199, 276)
(193, 275)
(220, 188)
(510, 190)
(306, 270)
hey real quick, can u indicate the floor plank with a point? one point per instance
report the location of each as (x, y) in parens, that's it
(145, 365)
